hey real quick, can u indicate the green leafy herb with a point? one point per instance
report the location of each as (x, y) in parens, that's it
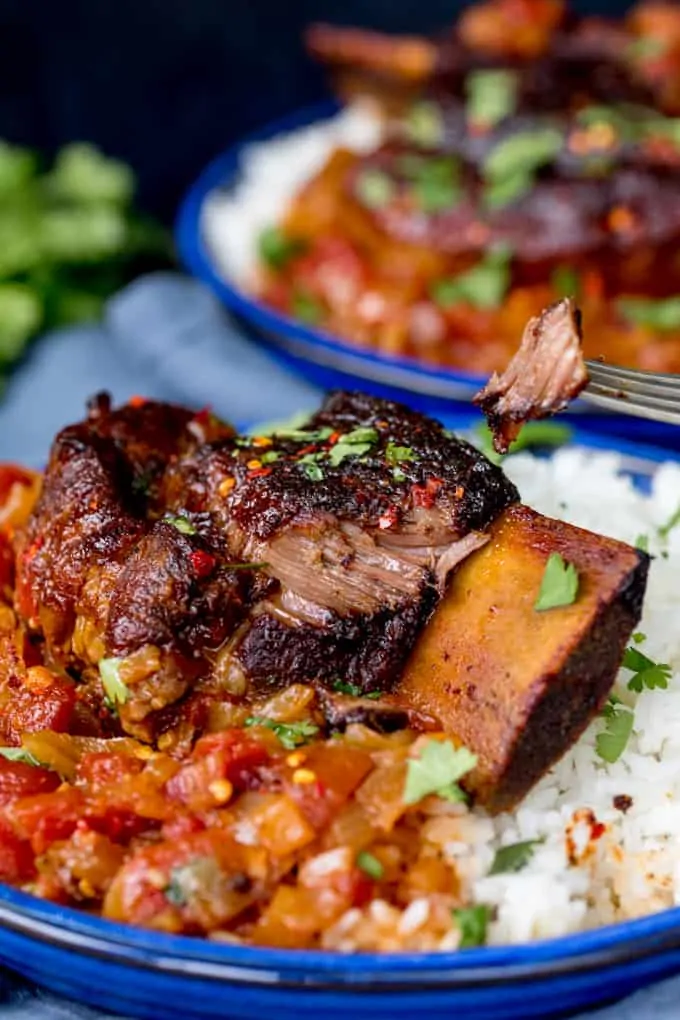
(483, 286)
(671, 523)
(399, 475)
(365, 434)
(565, 282)
(342, 687)
(313, 471)
(559, 585)
(180, 522)
(491, 96)
(501, 192)
(618, 722)
(657, 313)
(523, 153)
(294, 424)
(514, 856)
(352, 444)
(436, 183)
(647, 673)
(187, 880)
(473, 923)
(437, 770)
(291, 735)
(19, 754)
(425, 125)
(307, 308)
(639, 637)
(374, 188)
(81, 173)
(116, 691)
(370, 865)
(269, 456)
(642, 543)
(276, 249)
(398, 454)
(297, 435)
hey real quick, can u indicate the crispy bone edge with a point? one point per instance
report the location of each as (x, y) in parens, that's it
(514, 685)
(546, 373)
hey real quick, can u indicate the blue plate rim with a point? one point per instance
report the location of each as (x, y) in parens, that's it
(487, 966)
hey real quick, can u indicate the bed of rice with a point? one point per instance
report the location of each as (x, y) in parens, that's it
(573, 881)
(271, 173)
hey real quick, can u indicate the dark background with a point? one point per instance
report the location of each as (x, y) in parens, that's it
(166, 84)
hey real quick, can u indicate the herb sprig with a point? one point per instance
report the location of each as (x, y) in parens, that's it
(437, 769)
(291, 735)
(559, 585)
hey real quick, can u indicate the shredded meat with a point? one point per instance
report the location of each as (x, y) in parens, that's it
(546, 373)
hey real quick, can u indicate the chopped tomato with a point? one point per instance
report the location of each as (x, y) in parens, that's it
(231, 755)
(18, 779)
(101, 769)
(16, 856)
(36, 706)
(47, 817)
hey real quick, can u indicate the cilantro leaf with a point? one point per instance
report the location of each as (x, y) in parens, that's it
(425, 124)
(534, 435)
(473, 923)
(523, 152)
(618, 726)
(484, 286)
(180, 522)
(514, 856)
(81, 173)
(116, 691)
(491, 95)
(647, 673)
(370, 865)
(657, 313)
(307, 308)
(436, 183)
(642, 543)
(672, 522)
(559, 585)
(291, 735)
(398, 454)
(374, 188)
(342, 687)
(437, 770)
(19, 754)
(565, 282)
(276, 249)
(313, 471)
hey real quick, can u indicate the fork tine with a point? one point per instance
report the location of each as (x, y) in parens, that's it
(615, 399)
(642, 383)
(653, 378)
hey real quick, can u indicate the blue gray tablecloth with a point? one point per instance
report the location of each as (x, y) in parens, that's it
(166, 337)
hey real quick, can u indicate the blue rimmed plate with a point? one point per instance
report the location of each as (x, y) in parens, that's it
(327, 360)
(147, 974)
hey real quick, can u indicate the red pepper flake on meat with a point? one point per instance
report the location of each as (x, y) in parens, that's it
(260, 472)
(137, 401)
(425, 495)
(202, 563)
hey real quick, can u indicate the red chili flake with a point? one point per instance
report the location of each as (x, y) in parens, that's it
(388, 519)
(307, 449)
(334, 436)
(597, 830)
(202, 562)
(319, 789)
(137, 401)
(260, 472)
(424, 495)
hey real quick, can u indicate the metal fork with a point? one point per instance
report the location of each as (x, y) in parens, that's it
(630, 391)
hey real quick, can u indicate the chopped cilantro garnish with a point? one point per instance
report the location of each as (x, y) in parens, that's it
(565, 282)
(291, 735)
(514, 856)
(399, 475)
(483, 286)
(436, 183)
(269, 456)
(437, 769)
(343, 687)
(639, 637)
(352, 444)
(618, 723)
(280, 428)
(276, 249)
(491, 96)
(657, 313)
(472, 923)
(507, 189)
(425, 124)
(180, 522)
(523, 153)
(313, 471)
(370, 865)
(672, 522)
(647, 673)
(297, 435)
(559, 585)
(374, 187)
(116, 691)
(398, 454)
(642, 543)
(19, 754)
(365, 434)
(307, 308)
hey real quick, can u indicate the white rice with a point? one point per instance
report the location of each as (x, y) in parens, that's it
(271, 173)
(634, 868)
